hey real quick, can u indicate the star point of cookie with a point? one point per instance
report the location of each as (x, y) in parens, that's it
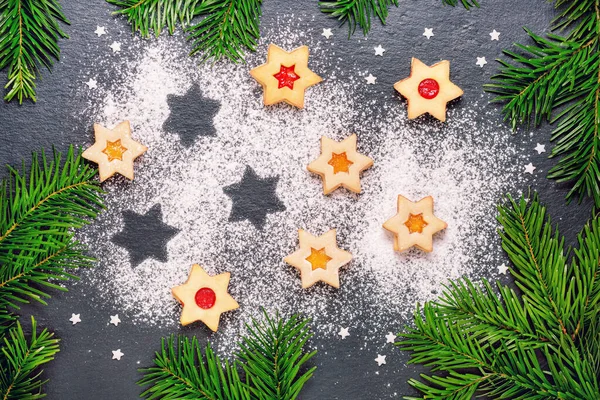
(318, 258)
(285, 76)
(428, 89)
(114, 151)
(340, 164)
(414, 224)
(204, 297)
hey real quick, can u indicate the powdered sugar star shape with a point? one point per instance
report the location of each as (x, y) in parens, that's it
(380, 360)
(481, 61)
(92, 84)
(540, 148)
(100, 30)
(529, 168)
(495, 35)
(390, 337)
(344, 333)
(370, 79)
(379, 50)
(428, 33)
(502, 269)
(116, 47)
(75, 318)
(117, 354)
(114, 319)
(327, 33)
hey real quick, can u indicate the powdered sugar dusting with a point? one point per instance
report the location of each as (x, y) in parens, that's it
(465, 164)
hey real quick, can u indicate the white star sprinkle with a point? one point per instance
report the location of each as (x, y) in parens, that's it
(529, 168)
(495, 35)
(100, 30)
(481, 61)
(75, 318)
(379, 50)
(370, 79)
(327, 33)
(344, 333)
(540, 148)
(117, 354)
(116, 47)
(380, 359)
(92, 84)
(390, 337)
(114, 319)
(502, 269)
(428, 33)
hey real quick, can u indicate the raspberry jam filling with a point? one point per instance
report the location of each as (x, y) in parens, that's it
(286, 77)
(429, 88)
(205, 298)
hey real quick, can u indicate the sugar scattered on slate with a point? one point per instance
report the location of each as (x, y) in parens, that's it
(466, 164)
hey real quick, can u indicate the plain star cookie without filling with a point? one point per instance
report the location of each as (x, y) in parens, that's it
(340, 164)
(414, 224)
(428, 89)
(318, 258)
(114, 151)
(285, 76)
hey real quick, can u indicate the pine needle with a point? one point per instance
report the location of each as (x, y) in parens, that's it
(29, 33)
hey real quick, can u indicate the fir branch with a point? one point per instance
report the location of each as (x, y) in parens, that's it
(155, 15)
(38, 211)
(557, 79)
(272, 357)
(20, 362)
(357, 12)
(29, 33)
(466, 3)
(228, 27)
(538, 345)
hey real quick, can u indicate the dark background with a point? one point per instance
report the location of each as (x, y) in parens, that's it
(83, 368)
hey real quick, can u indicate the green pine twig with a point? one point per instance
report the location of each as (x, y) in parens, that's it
(227, 29)
(272, 357)
(466, 3)
(155, 15)
(29, 33)
(539, 344)
(358, 13)
(38, 212)
(20, 360)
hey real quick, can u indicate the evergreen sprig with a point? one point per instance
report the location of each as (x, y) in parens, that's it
(358, 13)
(29, 33)
(20, 360)
(272, 357)
(541, 343)
(227, 27)
(556, 79)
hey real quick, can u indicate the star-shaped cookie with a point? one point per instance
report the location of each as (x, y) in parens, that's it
(428, 89)
(114, 151)
(285, 76)
(318, 259)
(414, 224)
(204, 298)
(340, 164)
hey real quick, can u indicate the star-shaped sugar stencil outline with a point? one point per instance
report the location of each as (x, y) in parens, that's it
(327, 33)
(100, 30)
(75, 318)
(253, 198)
(117, 354)
(191, 115)
(380, 360)
(371, 80)
(540, 148)
(344, 332)
(145, 235)
(529, 169)
(494, 35)
(428, 33)
(379, 50)
(481, 61)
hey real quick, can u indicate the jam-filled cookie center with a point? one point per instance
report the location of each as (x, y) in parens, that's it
(286, 76)
(205, 298)
(415, 223)
(429, 88)
(114, 150)
(318, 258)
(340, 162)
